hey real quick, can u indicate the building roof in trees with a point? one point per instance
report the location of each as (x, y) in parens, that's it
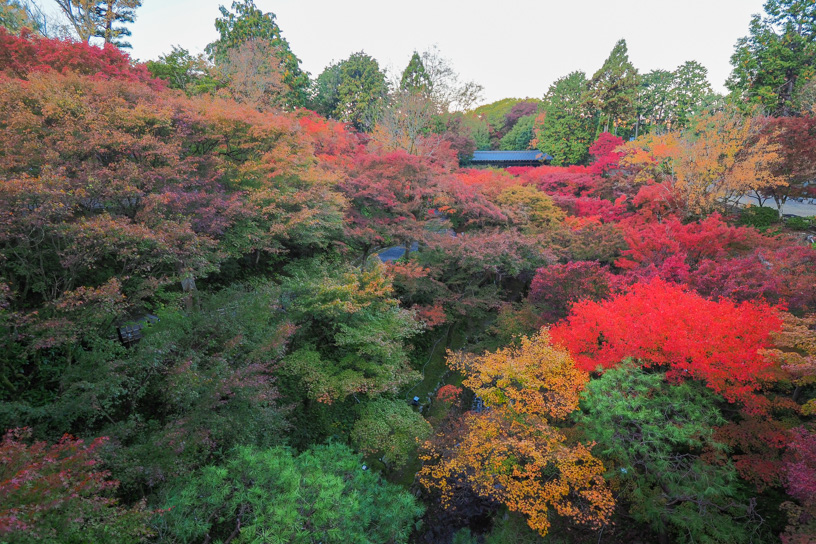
(510, 158)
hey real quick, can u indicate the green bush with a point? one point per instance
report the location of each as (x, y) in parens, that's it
(800, 223)
(759, 216)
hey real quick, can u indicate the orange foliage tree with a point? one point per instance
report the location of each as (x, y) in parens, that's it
(513, 451)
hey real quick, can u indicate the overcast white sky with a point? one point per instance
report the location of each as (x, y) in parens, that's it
(514, 48)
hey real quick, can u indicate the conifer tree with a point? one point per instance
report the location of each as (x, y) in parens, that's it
(613, 88)
(111, 14)
(659, 438)
(100, 18)
(692, 91)
(415, 78)
(360, 92)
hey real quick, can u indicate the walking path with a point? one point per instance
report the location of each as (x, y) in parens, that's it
(791, 207)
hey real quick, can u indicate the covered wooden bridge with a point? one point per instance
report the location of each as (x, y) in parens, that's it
(503, 159)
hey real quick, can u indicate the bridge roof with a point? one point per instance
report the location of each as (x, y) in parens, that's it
(510, 156)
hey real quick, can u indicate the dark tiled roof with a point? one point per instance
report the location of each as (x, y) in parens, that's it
(485, 156)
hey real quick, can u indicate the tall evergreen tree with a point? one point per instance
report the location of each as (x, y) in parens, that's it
(777, 57)
(692, 91)
(655, 101)
(415, 78)
(323, 99)
(614, 87)
(668, 100)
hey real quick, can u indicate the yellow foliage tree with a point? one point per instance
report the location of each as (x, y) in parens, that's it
(533, 210)
(795, 352)
(720, 158)
(513, 452)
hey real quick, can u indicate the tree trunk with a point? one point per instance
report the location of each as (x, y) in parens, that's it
(784, 108)
(109, 17)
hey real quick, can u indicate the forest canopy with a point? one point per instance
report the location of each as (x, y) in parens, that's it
(244, 303)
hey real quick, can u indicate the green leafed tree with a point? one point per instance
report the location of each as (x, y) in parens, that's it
(520, 135)
(565, 130)
(777, 57)
(245, 22)
(183, 71)
(322, 495)
(390, 429)
(668, 100)
(323, 97)
(361, 90)
(655, 100)
(351, 330)
(479, 129)
(659, 439)
(613, 88)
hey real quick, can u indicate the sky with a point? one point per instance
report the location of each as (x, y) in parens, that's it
(514, 48)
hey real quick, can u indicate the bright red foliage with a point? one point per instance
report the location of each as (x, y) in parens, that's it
(605, 158)
(559, 180)
(720, 260)
(585, 206)
(718, 342)
(448, 393)
(21, 55)
(657, 248)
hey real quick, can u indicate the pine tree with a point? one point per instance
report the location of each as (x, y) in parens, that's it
(659, 438)
(100, 18)
(110, 14)
(692, 91)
